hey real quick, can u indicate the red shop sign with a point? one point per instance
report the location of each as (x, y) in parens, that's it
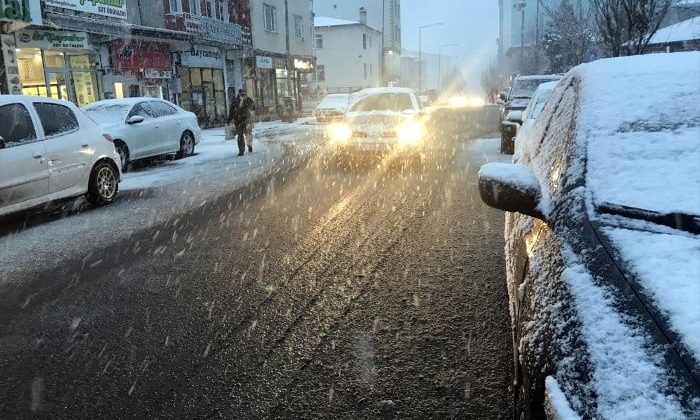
(135, 54)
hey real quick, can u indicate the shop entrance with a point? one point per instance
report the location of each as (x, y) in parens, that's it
(60, 86)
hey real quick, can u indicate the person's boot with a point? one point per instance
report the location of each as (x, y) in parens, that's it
(250, 149)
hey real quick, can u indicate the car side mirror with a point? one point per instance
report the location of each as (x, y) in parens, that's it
(134, 119)
(2, 143)
(511, 187)
(515, 116)
(502, 97)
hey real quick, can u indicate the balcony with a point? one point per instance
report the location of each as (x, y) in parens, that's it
(209, 29)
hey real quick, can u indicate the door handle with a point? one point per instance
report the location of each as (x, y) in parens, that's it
(85, 145)
(37, 155)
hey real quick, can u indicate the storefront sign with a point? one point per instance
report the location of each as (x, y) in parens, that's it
(111, 8)
(157, 74)
(22, 11)
(201, 56)
(136, 54)
(300, 64)
(263, 62)
(9, 55)
(53, 39)
(216, 30)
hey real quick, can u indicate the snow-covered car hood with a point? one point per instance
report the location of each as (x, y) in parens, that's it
(667, 268)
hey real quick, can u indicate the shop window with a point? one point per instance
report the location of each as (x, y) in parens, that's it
(319, 41)
(21, 130)
(299, 27)
(270, 14)
(55, 59)
(31, 72)
(56, 119)
(119, 90)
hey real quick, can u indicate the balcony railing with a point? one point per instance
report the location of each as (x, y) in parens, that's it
(209, 29)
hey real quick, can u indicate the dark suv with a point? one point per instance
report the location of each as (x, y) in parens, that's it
(518, 97)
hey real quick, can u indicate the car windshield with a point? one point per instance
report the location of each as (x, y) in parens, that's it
(335, 100)
(395, 102)
(524, 88)
(108, 113)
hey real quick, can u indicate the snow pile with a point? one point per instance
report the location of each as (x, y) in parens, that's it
(558, 404)
(688, 30)
(668, 269)
(329, 21)
(629, 380)
(640, 120)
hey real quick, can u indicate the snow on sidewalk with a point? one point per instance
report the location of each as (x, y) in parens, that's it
(149, 195)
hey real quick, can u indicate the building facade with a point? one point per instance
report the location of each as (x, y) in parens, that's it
(348, 55)
(190, 52)
(282, 60)
(382, 15)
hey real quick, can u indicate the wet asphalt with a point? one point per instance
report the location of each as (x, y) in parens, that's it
(320, 291)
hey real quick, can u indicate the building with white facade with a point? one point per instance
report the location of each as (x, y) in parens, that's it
(348, 55)
(282, 32)
(382, 15)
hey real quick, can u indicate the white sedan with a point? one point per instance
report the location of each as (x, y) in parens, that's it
(50, 150)
(146, 127)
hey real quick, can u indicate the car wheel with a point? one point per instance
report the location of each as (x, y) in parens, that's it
(186, 145)
(103, 185)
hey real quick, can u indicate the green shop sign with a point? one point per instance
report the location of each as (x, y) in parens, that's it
(52, 39)
(25, 11)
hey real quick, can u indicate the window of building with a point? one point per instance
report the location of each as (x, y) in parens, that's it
(270, 14)
(21, 129)
(299, 27)
(365, 68)
(195, 8)
(364, 41)
(371, 69)
(320, 73)
(319, 42)
(174, 6)
(208, 8)
(56, 119)
(370, 41)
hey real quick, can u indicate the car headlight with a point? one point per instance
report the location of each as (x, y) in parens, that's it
(410, 133)
(340, 132)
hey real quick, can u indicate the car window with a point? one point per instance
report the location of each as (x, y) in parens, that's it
(56, 119)
(161, 109)
(20, 129)
(550, 155)
(384, 102)
(142, 109)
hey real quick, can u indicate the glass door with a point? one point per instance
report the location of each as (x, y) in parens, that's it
(59, 85)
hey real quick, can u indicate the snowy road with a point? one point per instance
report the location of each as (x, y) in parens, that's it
(312, 292)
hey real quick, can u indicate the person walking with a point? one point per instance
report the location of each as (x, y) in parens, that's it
(242, 115)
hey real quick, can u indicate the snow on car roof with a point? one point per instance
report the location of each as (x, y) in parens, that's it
(122, 101)
(640, 120)
(540, 77)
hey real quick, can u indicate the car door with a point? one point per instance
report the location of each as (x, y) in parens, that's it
(142, 138)
(68, 153)
(169, 126)
(24, 171)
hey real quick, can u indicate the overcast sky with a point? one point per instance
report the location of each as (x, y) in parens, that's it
(473, 24)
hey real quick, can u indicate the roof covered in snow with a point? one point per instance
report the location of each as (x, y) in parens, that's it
(687, 30)
(329, 21)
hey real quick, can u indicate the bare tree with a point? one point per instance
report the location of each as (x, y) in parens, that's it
(568, 36)
(628, 25)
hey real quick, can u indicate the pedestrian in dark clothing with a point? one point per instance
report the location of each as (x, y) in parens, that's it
(241, 115)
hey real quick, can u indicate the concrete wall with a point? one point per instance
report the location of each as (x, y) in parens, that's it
(345, 58)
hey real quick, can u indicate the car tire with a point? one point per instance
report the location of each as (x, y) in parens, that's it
(104, 184)
(123, 151)
(187, 144)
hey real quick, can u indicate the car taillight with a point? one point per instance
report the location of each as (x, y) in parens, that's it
(108, 137)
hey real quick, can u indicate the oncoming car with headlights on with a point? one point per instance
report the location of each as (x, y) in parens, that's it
(380, 122)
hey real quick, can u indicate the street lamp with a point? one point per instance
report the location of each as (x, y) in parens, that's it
(520, 7)
(420, 53)
(440, 64)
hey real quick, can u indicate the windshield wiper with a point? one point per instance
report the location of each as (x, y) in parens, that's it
(681, 221)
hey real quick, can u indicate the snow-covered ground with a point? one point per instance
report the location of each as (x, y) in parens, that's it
(152, 193)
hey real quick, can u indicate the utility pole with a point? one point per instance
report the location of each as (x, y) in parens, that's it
(520, 6)
(420, 54)
(383, 61)
(290, 62)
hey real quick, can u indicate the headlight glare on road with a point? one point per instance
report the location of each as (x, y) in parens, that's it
(340, 132)
(410, 133)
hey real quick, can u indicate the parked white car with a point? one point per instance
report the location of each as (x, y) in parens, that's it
(50, 150)
(146, 127)
(380, 121)
(332, 107)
